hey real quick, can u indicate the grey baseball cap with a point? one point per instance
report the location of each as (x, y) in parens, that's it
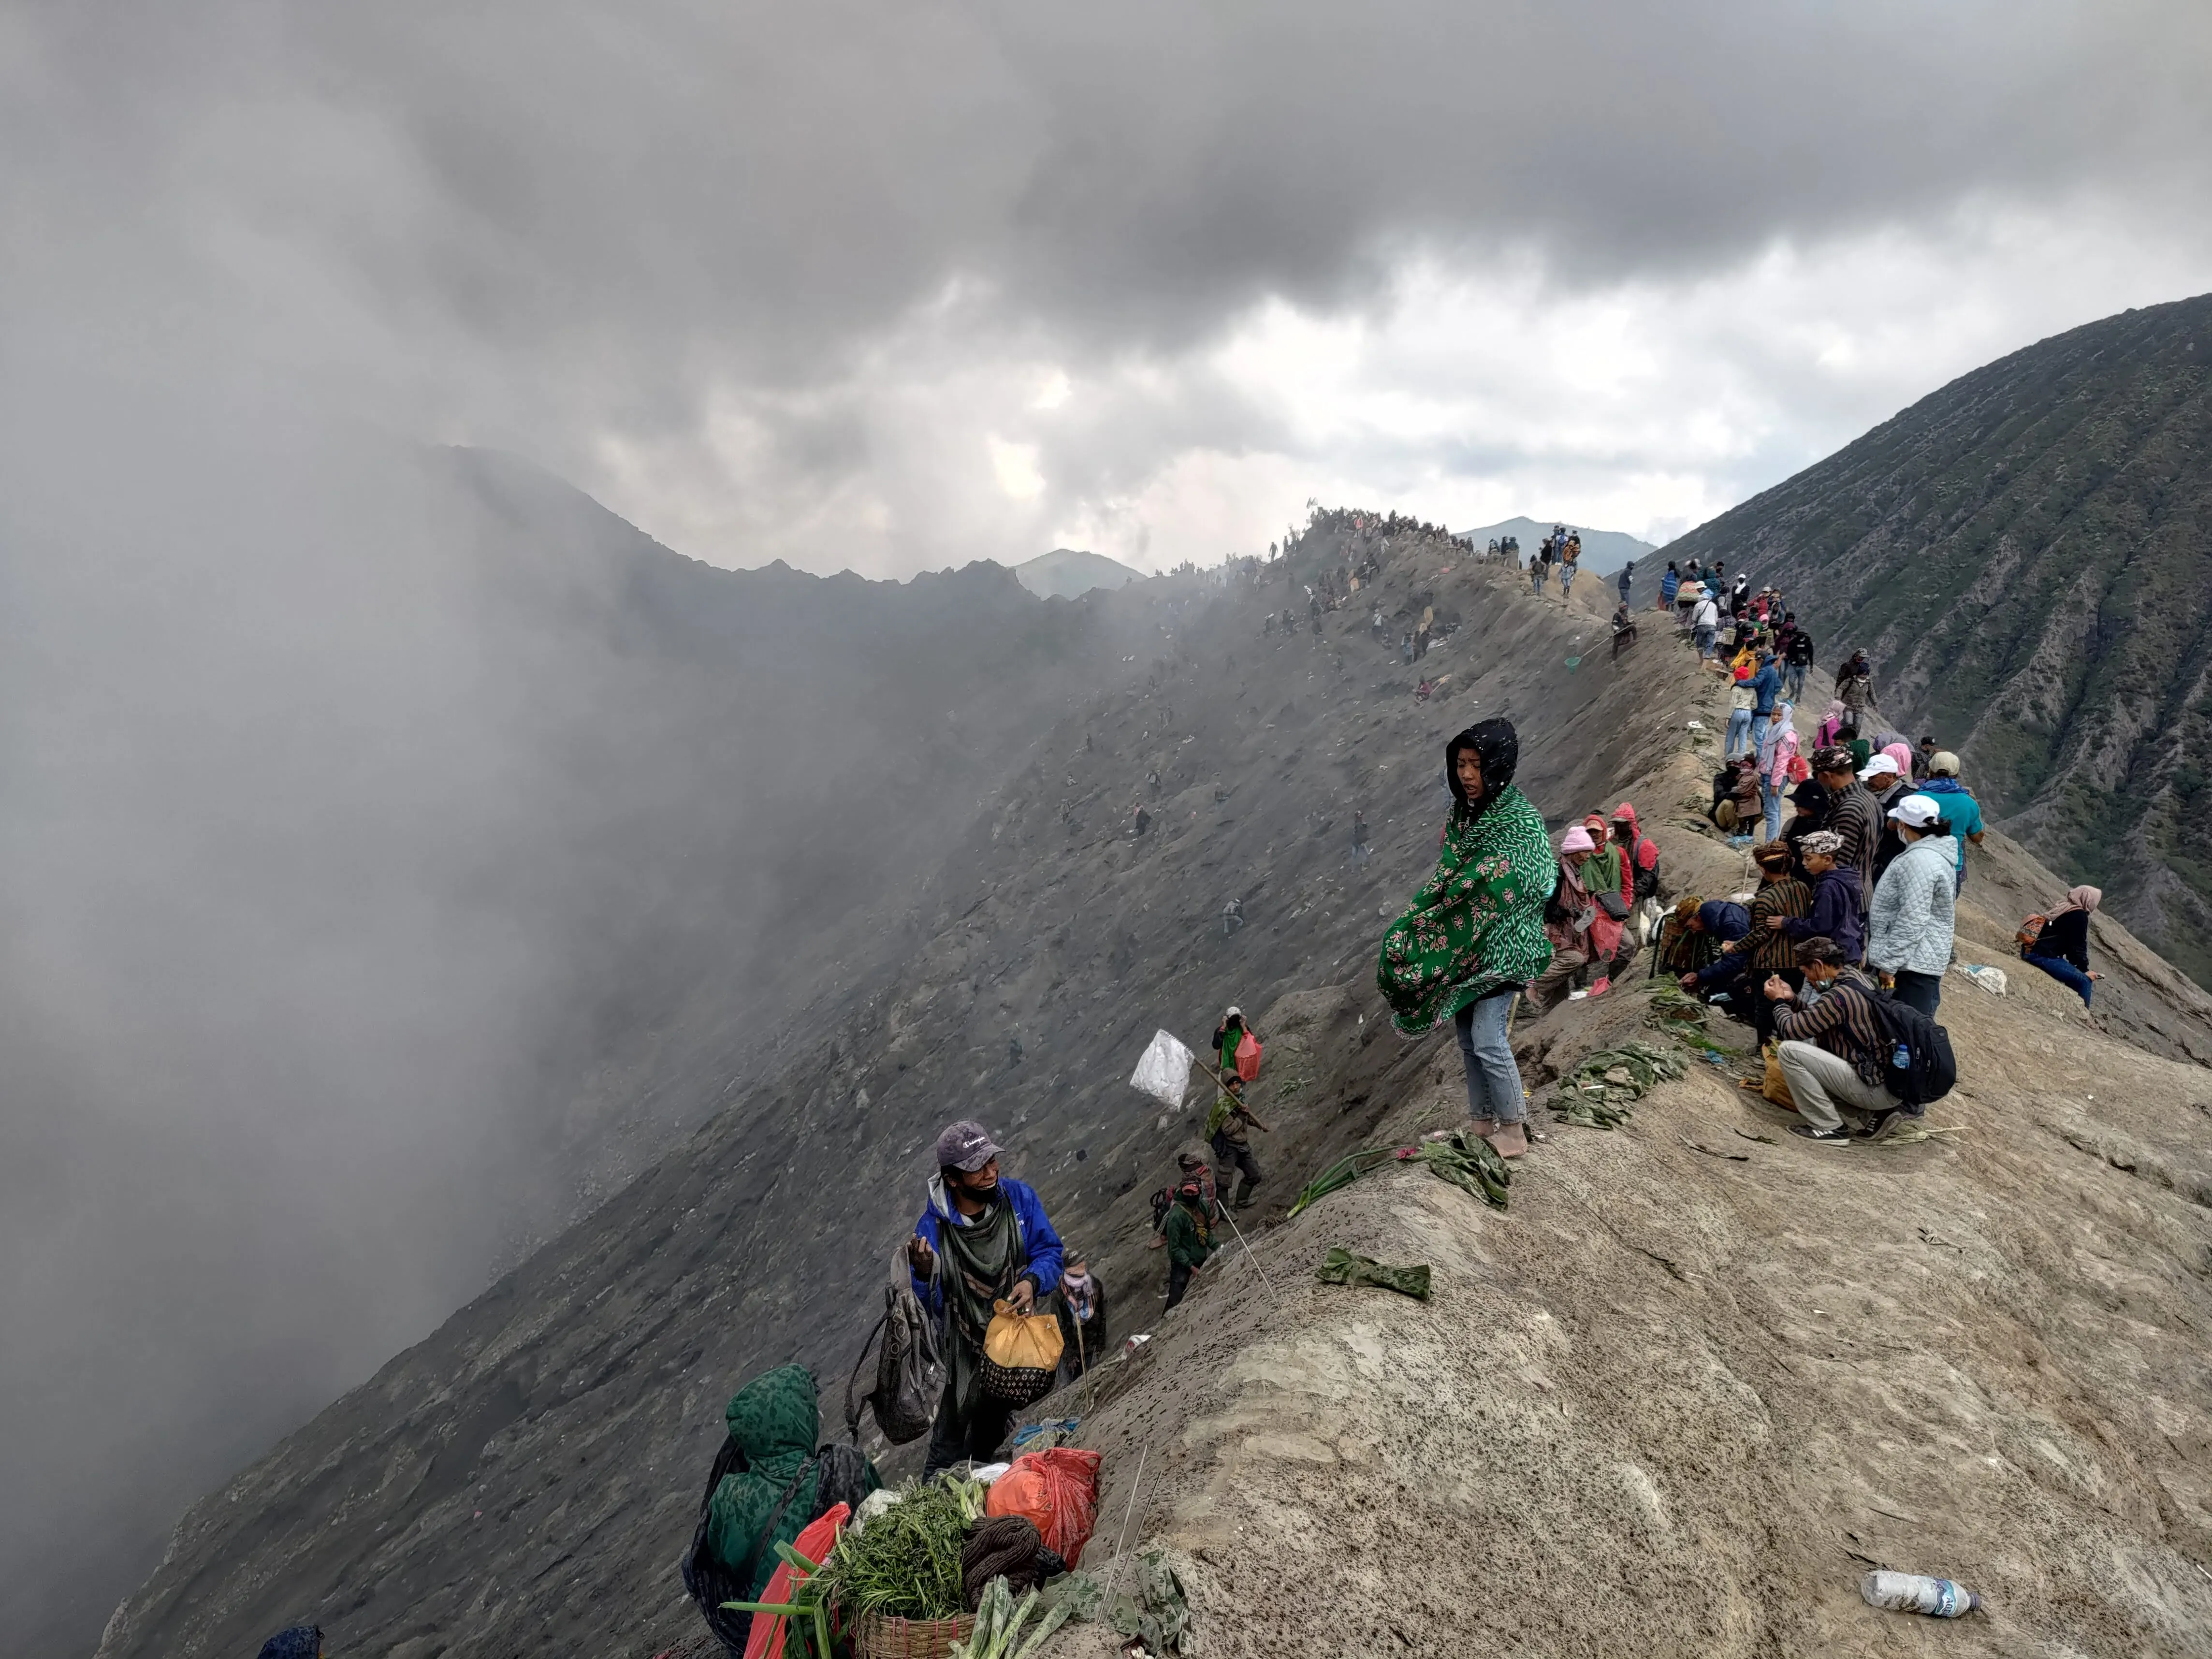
(966, 1145)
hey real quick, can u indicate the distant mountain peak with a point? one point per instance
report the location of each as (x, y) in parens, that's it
(1068, 572)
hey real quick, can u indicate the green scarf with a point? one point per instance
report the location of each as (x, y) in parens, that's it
(981, 1260)
(1601, 870)
(1477, 924)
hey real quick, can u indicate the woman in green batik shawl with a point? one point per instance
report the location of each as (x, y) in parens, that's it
(1475, 934)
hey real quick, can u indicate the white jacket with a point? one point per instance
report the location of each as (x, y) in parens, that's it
(1909, 924)
(1707, 614)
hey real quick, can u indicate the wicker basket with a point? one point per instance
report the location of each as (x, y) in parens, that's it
(881, 1636)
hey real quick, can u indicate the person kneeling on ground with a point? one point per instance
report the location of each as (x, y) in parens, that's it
(1228, 1127)
(1833, 1054)
(1190, 1239)
(1475, 933)
(982, 1240)
(1725, 923)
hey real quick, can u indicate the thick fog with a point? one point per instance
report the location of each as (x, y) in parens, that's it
(340, 809)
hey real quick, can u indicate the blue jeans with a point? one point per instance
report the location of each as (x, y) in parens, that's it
(1566, 577)
(1793, 682)
(2059, 969)
(1770, 798)
(1738, 734)
(1493, 1079)
(1536, 578)
(1704, 638)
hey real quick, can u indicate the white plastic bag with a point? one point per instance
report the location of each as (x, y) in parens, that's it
(1164, 1072)
(1992, 979)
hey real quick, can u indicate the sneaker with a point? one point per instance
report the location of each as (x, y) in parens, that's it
(1509, 1139)
(1880, 1128)
(1825, 1137)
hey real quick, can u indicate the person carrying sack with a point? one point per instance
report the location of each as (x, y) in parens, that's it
(982, 1240)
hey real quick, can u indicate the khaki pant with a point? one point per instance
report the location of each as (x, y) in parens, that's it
(1551, 987)
(1820, 1082)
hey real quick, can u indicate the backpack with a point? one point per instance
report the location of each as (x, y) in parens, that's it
(2030, 931)
(1929, 1070)
(909, 1373)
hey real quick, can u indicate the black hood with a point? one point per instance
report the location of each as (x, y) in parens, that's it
(1499, 747)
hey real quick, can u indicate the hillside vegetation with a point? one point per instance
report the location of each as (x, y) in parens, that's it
(2027, 554)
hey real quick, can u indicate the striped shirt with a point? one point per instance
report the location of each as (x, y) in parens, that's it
(1842, 1022)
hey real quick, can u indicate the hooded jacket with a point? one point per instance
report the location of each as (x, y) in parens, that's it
(1639, 876)
(774, 1420)
(1909, 924)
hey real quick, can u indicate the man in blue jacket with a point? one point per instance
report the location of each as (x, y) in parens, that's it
(983, 1239)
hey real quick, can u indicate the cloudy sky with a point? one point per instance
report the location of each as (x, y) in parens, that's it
(890, 286)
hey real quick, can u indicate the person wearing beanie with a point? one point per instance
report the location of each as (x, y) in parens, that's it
(1963, 811)
(1570, 921)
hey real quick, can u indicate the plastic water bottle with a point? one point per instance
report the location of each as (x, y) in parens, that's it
(1901, 1057)
(1908, 1592)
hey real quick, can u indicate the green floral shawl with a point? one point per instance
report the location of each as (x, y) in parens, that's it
(1477, 924)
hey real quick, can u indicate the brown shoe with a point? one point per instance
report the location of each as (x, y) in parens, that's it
(1509, 1139)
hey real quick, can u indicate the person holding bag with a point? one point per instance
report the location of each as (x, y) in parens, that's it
(982, 1240)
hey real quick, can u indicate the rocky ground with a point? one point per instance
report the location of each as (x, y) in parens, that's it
(1670, 1402)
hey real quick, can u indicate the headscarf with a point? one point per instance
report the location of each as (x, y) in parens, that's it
(1901, 753)
(1825, 843)
(1498, 746)
(2081, 898)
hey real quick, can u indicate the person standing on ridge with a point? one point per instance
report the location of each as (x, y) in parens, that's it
(1796, 658)
(1705, 625)
(1855, 689)
(982, 1239)
(1474, 935)
(1960, 808)
(1669, 586)
(1627, 579)
(1852, 816)
(1778, 755)
(1910, 920)
(1839, 910)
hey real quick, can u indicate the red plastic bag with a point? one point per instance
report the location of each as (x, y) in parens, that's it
(815, 1543)
(1248, 1057)
(1057, 1490)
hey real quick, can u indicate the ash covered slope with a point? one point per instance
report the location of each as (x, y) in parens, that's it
(575, 1406)
(408, 850)
(2027, 555)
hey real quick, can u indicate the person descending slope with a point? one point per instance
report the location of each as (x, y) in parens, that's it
(2060, 945)
(1474, 935)
(982, 1240)
(1082, 1316)
(1189, 1232)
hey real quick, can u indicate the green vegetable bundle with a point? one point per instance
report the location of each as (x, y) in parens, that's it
(1342, 1173)
(905, 1562)
(1599, 1092)
(999, 1623)
(1469, 1163)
